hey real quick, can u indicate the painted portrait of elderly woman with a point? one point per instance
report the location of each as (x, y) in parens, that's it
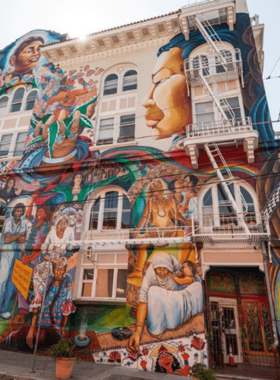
(162, 301)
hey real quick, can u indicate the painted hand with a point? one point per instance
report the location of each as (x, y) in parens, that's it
(134, 342)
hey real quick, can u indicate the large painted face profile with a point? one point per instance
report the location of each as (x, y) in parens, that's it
(168, 108)
(26, 57)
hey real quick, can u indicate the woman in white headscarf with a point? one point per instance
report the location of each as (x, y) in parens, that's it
(164, 303)
(56, 245)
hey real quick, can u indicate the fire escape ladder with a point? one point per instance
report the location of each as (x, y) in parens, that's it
(211, 37)
(213, 151)
(221, 103)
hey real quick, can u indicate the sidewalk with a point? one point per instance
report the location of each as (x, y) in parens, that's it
(18, 366)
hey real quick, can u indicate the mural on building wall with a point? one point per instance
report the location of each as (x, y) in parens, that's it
(42, 196)
(268, 194)
(20, 60)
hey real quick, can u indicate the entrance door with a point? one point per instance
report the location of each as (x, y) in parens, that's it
(225, 327)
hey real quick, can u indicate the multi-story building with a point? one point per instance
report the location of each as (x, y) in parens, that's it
(139, 199)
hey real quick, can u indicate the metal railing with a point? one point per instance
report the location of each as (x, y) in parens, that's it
(225, 227)
(236, 125)
(222, 71)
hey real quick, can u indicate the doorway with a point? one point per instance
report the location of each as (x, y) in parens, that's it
(225, 330)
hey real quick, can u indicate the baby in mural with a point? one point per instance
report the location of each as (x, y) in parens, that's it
(187, 275)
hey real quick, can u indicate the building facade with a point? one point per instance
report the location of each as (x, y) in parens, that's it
(139, 193)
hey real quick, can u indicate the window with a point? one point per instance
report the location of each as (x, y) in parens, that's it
(110, 84)
(12, 144)
(5, 144)
(30, 101)
(204, 113)
(103, 276)
(111, 210)
(228, 57)
(232, 108)
(3, 104)
(127, 128)
(214, 200)
(17, 100)
(106, 131)
(120, 128)
(130, 80)
(20, 141)
(201, 61)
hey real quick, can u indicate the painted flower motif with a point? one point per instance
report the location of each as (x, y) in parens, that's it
(197, 343)
(181, 348)
(145, 351)
(114, 356)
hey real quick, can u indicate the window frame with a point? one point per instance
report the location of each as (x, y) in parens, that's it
(117, 125)
(13, 143)
(100, 221)
(96, 265)
(24, 101)
(127, 79)
(4, 108)
(213, 186)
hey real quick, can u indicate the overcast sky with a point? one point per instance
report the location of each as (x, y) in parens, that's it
(78, 18)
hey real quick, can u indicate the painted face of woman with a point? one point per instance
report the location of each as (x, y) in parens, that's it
(168, 108)
(162, 272)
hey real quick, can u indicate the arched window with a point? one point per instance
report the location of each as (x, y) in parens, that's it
(110, 210)
(17, 100)
(201, 62)
(215, 205)
(111, 84)
(30, 101)
(3, 104)
(130, 80)
(228, 57)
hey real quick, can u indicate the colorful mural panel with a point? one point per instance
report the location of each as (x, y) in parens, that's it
(45, 195)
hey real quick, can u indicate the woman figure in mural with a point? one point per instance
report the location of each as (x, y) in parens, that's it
(8, 193)
(164, 303)
(55, 246)
(167, 363)
(57, 307)
(160, 212)
(167, 360)
(77, 186)
(40, 228)
(168, 108)
(23, 60)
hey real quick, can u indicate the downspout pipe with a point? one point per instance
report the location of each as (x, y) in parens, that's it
(270, 301)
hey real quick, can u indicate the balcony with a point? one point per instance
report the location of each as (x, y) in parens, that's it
(224, 228)
(152, 235)
(211, 68)
(237, 131)
(215, 12)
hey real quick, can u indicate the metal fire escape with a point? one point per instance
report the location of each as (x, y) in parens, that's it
(225, 109)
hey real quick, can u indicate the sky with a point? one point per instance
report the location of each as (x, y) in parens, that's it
(78, 18)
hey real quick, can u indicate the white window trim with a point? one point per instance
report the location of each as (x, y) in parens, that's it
(116, 129)
(119, 70)
(13, 142)
(23, 103)
(215, 206)
(236, 93)
(97, 266)
(101, 193)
